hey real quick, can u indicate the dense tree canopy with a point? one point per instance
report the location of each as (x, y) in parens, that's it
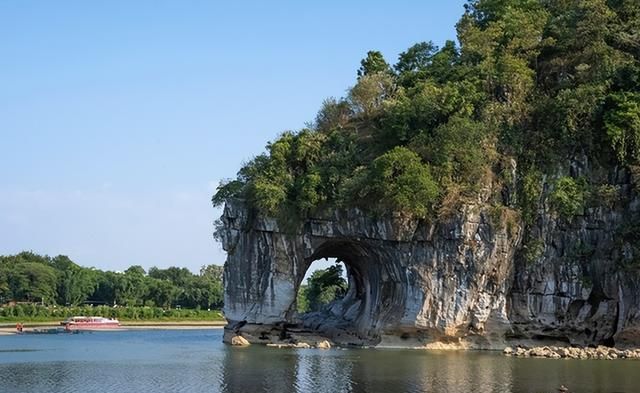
(29, 277)
(537, 82)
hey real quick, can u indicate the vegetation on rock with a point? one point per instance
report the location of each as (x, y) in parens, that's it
(535, 81)
(568, 197)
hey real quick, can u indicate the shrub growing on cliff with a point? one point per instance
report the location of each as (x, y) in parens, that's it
(606, 195)
(568, 196)
(531, 191)
(333, 114)
(374, 63)
(398, 181)
(629, 250)
(532, 250)
(622, 123)
(456, 151)
(368, 95)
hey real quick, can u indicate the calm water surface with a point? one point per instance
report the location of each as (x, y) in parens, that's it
(189, 361)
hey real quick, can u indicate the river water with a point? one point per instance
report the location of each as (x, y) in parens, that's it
(189, 361)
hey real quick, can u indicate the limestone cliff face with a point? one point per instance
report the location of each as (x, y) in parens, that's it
(437, 281)
(459, 280)
(579, 287)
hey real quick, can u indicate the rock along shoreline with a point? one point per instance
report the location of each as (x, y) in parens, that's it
(553, 352)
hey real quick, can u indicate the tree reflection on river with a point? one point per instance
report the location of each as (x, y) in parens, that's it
(196, 361)
(257, 369)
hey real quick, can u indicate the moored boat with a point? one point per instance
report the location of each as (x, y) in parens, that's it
(90, 323)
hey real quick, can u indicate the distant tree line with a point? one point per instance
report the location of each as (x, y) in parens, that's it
(33, 278)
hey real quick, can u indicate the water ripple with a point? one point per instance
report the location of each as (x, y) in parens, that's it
(197, 361)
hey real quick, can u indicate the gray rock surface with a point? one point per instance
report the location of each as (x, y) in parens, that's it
(553, 352)
(581, 288)
(461, 281)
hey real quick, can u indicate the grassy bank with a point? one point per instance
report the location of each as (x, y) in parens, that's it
(9, 327)
(30, 313)
(124, 321)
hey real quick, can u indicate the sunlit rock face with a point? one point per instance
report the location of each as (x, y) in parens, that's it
(458, 282)
(431, 281)
(583, 286)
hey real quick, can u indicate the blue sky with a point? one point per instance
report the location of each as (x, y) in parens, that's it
(119, 118)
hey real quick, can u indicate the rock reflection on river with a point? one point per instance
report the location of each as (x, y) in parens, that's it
(196, 361)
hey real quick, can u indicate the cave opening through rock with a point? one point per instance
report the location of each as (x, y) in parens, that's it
(364, 304)
(325, 283)
(334, 296)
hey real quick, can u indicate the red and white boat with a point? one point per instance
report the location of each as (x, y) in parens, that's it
(90, 323)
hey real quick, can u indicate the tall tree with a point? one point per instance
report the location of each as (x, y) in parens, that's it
(212, 272)
(413, 64)
(374, 63)
(75, 283)
(33, 282)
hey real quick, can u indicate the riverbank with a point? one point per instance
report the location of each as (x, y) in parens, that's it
(10, 328)
(303, 340)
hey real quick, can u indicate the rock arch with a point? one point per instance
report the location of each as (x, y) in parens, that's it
(409, 278)
(376, 295)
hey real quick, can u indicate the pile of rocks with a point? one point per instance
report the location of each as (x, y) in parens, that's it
(551, 352)
(301, 345)
(239, 341)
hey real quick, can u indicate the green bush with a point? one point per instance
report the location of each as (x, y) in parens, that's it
(400, 182)
(622, 124)
(606, 195)
(568, 196)
(628, 247)
(532, 250)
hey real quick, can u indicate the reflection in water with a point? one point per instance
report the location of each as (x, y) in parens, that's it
(258, 369)
(412, 371)
(197, 361)
(322, 372)
(248, 370)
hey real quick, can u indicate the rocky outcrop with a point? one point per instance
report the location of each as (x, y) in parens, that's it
(436, 281)
(581, 285)
(239, 341)
(553, 352)
(463, 282)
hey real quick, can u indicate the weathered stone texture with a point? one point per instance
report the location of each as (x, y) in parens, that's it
(578, 288)
(458, 280)
(448, 280)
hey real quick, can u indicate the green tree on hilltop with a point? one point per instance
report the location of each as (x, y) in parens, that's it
(374, 63)
(539, 83)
